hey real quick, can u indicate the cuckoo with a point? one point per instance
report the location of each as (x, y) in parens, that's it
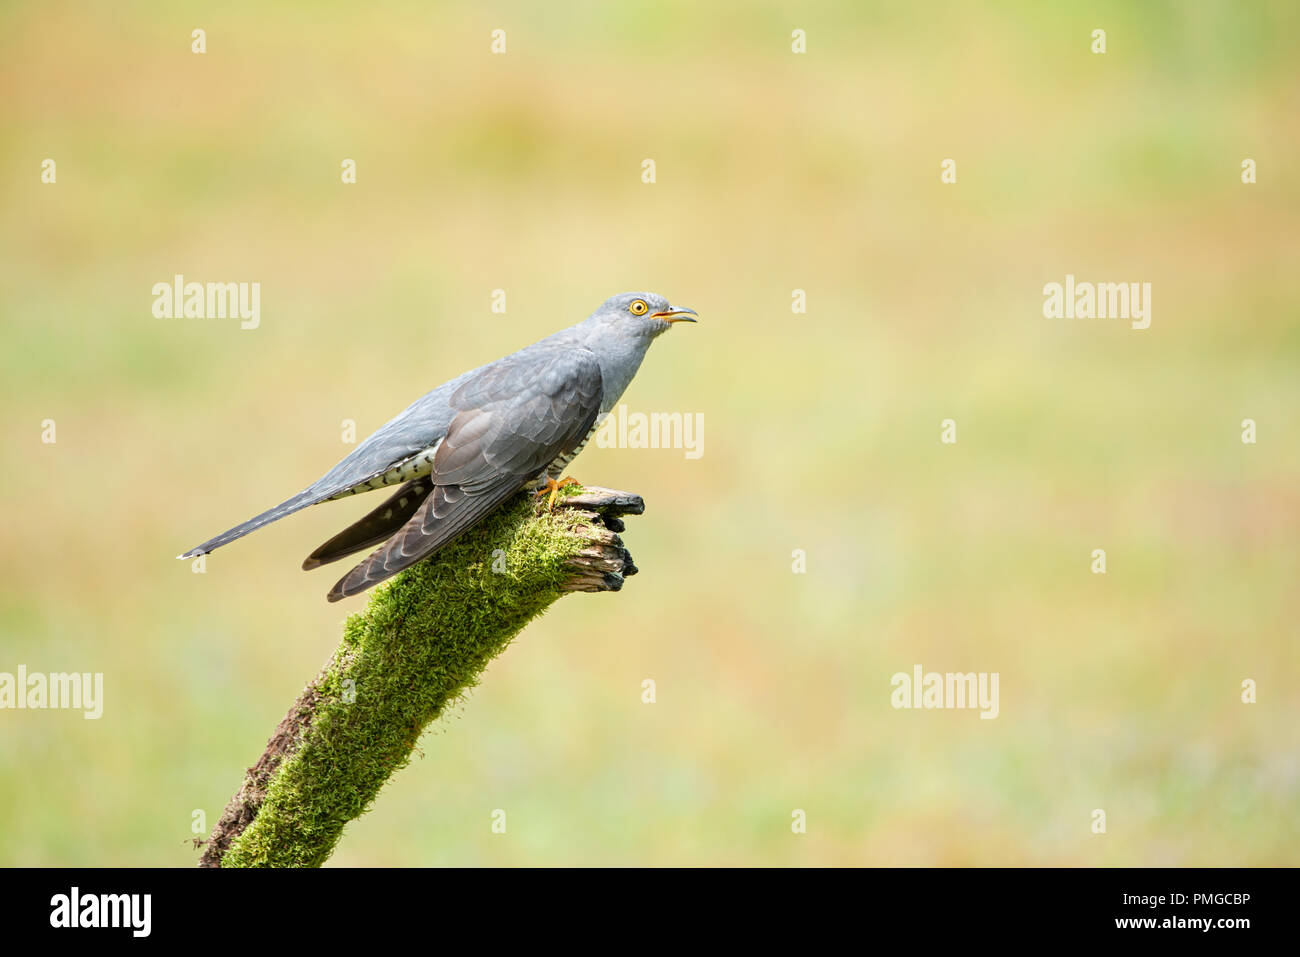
(463, 449)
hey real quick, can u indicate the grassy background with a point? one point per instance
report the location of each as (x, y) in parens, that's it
(775, 172)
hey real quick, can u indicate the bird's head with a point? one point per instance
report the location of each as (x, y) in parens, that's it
(639, 314)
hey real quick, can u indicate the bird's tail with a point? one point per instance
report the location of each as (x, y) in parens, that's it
(287, 507)
(374, 527)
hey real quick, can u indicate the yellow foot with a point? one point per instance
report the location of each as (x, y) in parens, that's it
(554, 487)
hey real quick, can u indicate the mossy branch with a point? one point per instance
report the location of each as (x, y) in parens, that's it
(421, 643)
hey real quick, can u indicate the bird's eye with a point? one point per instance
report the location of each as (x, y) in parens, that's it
(638, 307)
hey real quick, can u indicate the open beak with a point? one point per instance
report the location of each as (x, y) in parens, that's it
(676, 315)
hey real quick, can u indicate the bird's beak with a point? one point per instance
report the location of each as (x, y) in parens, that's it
(676, 315)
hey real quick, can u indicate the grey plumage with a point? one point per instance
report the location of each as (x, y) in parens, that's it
(464, 448)
(375, 526)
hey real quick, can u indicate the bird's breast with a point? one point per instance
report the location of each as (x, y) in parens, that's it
(561, 461)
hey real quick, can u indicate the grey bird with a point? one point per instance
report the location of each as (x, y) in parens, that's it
(463, 449)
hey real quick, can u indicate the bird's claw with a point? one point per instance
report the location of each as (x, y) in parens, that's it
(553, 487)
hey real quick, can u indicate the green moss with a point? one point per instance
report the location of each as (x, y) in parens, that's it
(420, 644)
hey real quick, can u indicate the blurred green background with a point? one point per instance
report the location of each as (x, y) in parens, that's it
(775, 172)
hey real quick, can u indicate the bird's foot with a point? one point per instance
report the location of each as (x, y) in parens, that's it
(553, 487)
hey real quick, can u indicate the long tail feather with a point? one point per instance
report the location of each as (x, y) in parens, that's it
(375, 527)
(287, 507)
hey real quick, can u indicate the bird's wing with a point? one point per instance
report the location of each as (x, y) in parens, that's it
(511, 422)
(414, 429)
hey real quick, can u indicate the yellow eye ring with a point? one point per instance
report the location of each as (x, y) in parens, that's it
(638, 307)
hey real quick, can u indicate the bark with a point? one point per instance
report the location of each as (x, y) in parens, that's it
(422, 642)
